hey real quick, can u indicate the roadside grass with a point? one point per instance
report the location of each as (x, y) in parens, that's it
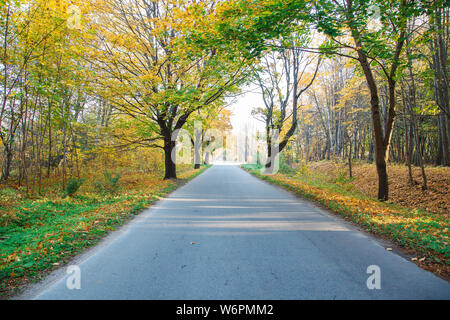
(425, 235)
(46, 233)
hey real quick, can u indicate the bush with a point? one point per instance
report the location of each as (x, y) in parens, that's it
(7, 193)
(285, 167)
(303, 168)
(73, 184)
(110, 183)
(341, 177)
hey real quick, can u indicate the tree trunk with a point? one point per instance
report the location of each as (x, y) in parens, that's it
(383, 186)
(381, 150)
(418, 149)
(7, 165)
(197, 148)
(170, 166)
(443, 154)
(411, 102)
(408, 152)
(269, 162)
(350, 172)
(246, 149)
(271, 154)
(439, 65)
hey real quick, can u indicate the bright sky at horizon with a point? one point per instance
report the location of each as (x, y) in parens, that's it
(241, 108)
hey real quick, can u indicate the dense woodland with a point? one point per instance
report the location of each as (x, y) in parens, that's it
(105, 83)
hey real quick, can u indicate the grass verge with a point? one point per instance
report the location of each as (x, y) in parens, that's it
(46, 233)
(424, 235)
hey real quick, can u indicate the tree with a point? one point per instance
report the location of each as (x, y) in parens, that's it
(36, 40)
(282, 79)
(355, 33)
(438, 40)
(382, 47)
(156, 67)
(213, 117)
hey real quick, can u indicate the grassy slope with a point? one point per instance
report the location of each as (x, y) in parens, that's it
(424, 234)
(46, 233)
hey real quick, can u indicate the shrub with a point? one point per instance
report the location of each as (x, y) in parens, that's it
(303, 168)
(110, 183)
(7, 193)
(72, 186)
(341, 177)
(285, 167)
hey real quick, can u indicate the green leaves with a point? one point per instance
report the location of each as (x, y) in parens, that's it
(73, 184)
(250, 23)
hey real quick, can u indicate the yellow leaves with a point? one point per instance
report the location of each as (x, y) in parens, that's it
(56, 5)
(353, 90)
(149, 77)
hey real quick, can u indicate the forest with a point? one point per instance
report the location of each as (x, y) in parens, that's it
(92, 92)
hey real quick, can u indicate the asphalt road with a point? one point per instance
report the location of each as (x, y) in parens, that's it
(228, 235)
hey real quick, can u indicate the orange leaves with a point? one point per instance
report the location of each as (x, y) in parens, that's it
(375, 212)
(435, 200)
(12, 258)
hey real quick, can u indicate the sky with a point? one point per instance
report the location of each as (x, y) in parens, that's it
(241, 119)
(241, 108)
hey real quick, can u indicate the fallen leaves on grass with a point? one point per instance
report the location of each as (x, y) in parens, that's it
(436, 199)
(42, 234)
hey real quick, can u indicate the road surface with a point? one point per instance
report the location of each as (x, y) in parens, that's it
(229, 235)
